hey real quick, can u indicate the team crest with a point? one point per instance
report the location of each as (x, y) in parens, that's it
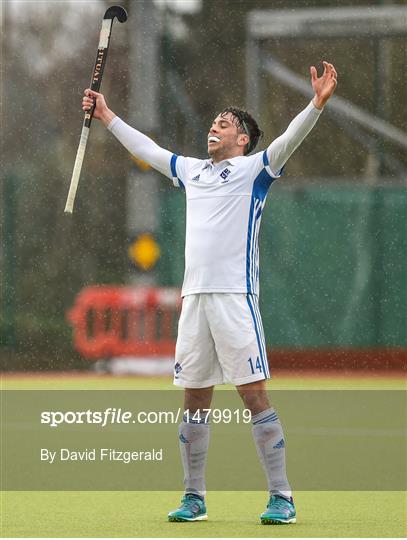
(224, 175)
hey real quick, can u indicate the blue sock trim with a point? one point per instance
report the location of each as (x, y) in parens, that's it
(273, 418)
(269, 415)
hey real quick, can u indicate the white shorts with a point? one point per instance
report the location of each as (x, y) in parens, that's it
(220, 340)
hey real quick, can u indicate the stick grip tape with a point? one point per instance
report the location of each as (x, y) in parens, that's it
(105, 33)
(77, 170)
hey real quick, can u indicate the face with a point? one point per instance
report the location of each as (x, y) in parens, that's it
(225, 140)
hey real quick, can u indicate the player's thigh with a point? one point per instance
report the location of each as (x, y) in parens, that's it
(237, 330)
(196, 363)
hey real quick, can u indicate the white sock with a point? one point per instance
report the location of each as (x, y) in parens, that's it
(269, 439)
(194, 442)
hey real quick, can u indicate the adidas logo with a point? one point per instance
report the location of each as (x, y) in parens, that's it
(280, 444)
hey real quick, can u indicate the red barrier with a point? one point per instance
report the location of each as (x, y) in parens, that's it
(125, 321)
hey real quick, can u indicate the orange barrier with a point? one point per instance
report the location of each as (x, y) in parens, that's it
(125, 321)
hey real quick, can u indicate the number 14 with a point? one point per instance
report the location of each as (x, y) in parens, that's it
(256, 367)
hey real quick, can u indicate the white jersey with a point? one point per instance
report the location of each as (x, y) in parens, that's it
(224, 208)
(224, 204)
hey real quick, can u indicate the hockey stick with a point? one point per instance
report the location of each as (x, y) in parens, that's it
(97, 74)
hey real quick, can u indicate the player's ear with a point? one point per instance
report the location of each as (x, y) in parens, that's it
(243, 139)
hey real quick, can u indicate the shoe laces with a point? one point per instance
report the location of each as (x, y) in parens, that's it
(189, 501)
(278, 502)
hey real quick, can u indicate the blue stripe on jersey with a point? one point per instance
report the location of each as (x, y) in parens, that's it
(173, 166)
(248, 246)
(265, 159)
(253, 253)
(267, 164)
(260, 187)
(259, 344)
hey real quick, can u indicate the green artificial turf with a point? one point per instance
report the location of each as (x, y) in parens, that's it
(231, 514)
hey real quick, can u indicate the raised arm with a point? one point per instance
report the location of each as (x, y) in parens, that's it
(136, 142)
(281, 148)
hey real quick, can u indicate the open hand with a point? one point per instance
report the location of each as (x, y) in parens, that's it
(323, 86)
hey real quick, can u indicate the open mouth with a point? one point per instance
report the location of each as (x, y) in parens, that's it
(213, 139)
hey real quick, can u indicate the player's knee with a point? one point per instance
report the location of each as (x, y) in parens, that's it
(254, 399)
(198, 398)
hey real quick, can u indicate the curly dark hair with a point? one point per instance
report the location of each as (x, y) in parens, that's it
(247, 124)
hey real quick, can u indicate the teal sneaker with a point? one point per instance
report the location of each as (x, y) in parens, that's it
(279, 510)
(192, 509)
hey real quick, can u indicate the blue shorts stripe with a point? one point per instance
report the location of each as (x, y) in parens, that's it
(249, 301)
(261, 333)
